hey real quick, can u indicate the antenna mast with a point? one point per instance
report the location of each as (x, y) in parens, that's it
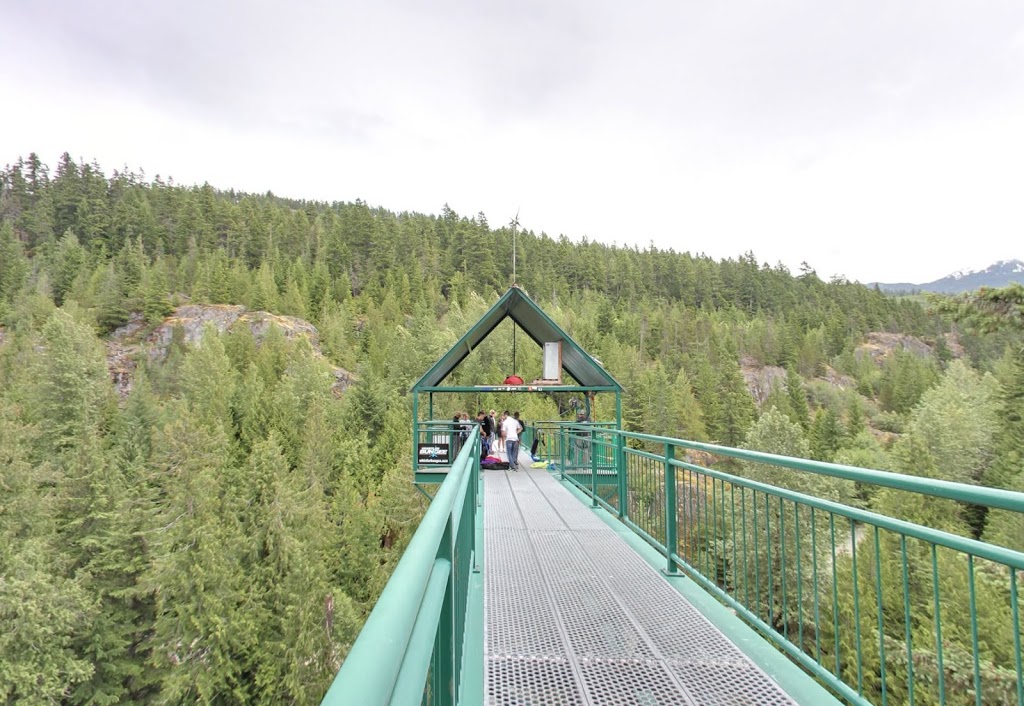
(515, 224)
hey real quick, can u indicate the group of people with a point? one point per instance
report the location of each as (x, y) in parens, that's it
(497, 432)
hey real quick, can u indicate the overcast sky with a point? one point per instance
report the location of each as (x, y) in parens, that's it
(876, 139)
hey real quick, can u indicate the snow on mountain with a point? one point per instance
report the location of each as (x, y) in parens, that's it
(999, 274)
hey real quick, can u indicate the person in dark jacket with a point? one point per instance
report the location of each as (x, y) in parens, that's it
(485, 432)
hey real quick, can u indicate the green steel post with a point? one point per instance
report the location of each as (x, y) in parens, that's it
(814, 569)
(430, 406)
(620, 470)
(856, 608)
(835, 591)
(974, 629)
(906, 620)
(444, 643)
(477, 499)
(415, 432)
(561, 452)
(593, 467)
(1016, 636)
(671, 540)
(881, 619)
(938, 626)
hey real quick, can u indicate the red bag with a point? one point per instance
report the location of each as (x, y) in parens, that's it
(513, 380)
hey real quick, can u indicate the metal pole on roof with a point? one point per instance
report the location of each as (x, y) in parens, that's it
(515, 224)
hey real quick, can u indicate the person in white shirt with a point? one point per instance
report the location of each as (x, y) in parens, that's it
(510, 425)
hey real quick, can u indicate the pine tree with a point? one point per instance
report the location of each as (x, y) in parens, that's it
(797, 397)
(1007, 470)
(737, 411)
(826, 435)
(207, 620)
(687, 415)
(70, 259)
(14, 265)
(284, 515)
(156, 304)
(207, 382)
(43, 608)
(111, 310)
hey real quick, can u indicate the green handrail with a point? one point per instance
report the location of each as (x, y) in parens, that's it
(808, 572)
(411, 644)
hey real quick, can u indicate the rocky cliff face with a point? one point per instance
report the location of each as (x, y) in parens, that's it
(761, 379)
(135, 339)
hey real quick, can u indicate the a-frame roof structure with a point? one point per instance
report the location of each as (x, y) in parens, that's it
(516, 305)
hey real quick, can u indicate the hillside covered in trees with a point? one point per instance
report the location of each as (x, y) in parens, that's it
(218, 532)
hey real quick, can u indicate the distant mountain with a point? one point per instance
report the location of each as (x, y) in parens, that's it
(1000, 274)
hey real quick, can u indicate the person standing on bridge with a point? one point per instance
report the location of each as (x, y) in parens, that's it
(485, 431)
(510, 427)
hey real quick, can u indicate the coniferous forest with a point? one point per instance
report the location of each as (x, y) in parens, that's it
(201, 514)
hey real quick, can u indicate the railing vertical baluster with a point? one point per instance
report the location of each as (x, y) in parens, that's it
(938, 625)
(768, 547)
(906, 620)
(620, 470)
(835, 590)
(856, 607)
(757, 556)
(1015, 610)
(593, 467)
(782, 555)
(781, 545)
(725, 554)
(881, 622)
(743, 534)
(561, 452)
(974, 629)
(707, 538)
(732, 522)
(714, 533)
(671, 543)
(799, 577)
(814, 570)
(688, 515)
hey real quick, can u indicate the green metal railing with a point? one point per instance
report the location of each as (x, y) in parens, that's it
(550, 447)
(411, 647)
(440, 433)
(879, 609)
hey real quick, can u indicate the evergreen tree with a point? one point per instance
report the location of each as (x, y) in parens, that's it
(687, 415)
(14, 265)
(737, 410)
(826, 435)
(797, 398)
(1007, 470)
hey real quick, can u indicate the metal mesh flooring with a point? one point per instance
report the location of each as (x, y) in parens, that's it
(573, 616)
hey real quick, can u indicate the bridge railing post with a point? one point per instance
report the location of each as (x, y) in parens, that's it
(620, 471)
(561, 453)
(443, 673)
(671, 530)
(593, 468)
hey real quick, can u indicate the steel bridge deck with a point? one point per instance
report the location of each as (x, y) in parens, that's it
(573, 616)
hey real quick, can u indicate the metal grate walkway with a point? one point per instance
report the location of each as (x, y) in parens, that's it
(573, 616)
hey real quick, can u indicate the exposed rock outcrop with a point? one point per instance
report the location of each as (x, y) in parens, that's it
(761, 379)
(134, 339)
(833, 377)
(880, 345)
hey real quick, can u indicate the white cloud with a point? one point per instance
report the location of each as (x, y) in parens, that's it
(879, 140)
